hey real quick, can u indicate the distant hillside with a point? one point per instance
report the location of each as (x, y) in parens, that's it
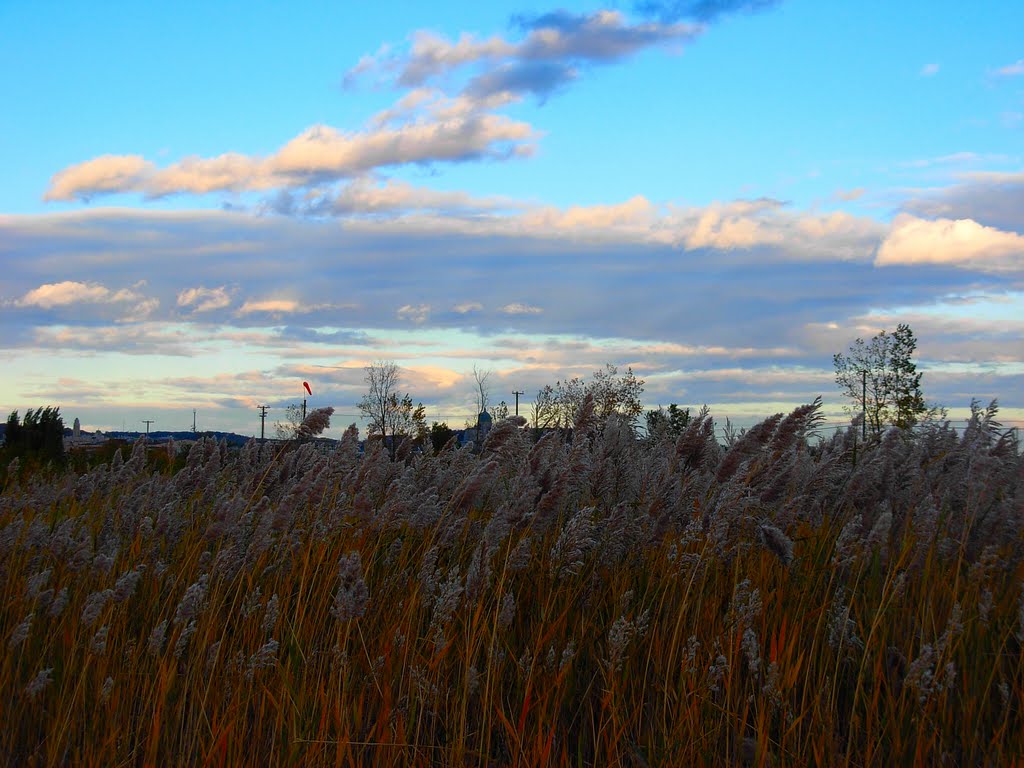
(162, 436)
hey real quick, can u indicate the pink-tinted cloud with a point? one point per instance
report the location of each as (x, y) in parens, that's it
(102, 175)
(201, 299)
(320, 154)
(961, 242)
(1011, 70)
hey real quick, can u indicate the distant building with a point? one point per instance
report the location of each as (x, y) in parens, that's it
(484, 422)
(477, 434)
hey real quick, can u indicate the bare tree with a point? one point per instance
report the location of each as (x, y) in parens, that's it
(390, 413)
(288, 428)
(546, 409)
(483, 389)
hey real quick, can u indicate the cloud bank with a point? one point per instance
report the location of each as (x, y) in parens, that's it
(962, 242)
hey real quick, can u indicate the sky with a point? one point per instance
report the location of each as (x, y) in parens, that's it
(206, 204)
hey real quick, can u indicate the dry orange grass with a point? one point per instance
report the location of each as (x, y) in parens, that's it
(565, 605)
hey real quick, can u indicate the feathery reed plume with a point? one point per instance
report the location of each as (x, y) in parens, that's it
(98, 644)
(510, 619)
(39, 683)
(318, 420)
(20, 633)
(193, 602)
(36, 584)
(155, 644)
(352, 594)
(574, 542)
(508, 610)
(449, 598)
(264, 658)
(126, 584)
(473, 486)
(776, 542)
(271, 613)
(94, 605)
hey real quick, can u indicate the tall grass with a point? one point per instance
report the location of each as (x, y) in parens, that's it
(610, 601)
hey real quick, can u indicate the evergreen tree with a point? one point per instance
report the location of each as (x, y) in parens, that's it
(39, 435)
(671, 421)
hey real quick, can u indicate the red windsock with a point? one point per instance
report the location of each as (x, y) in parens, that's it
(306, 385)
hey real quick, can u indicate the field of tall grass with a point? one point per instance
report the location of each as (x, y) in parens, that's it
(595, 602)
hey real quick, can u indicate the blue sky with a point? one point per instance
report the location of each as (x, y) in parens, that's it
(206, 204)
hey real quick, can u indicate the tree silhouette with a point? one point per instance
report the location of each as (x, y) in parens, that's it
(881, 376)
(391, 414)
(39, 435)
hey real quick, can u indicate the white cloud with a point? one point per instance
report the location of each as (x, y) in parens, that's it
(450, 131)
(637, 213)
(322, 151)
(417, 313)
(849, 195)
(140, 311)
(282, 306)
(199, 176)
(433, 128)
(204, 299)
(957, 242)
(517, 308)
(738, 224)
(146, 338)
(929, 70)
(64, 293)
(996, 177)
(106, 174)
(270, 306)
(69, 292)
(953, 158)
(365, 196)
(432, 55)
(540, 61)
(1011, 70)
(636, 296)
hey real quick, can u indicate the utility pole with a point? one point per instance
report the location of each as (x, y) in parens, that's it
(517, 394)
(193, 421)
(147, 422)
(263, 420)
